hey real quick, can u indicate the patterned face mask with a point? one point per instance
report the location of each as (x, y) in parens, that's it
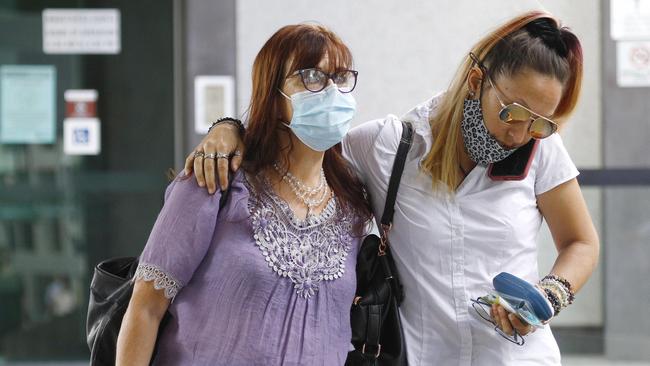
(481, 147)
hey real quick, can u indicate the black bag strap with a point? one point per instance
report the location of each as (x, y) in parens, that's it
(396, 174)
(375, 313)
(371, 348)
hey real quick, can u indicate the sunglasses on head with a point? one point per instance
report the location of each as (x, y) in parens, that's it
(540, 127)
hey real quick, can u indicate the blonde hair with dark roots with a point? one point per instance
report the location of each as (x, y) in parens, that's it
(506, 51)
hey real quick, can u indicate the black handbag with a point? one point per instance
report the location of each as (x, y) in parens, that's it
(110, 292)
(377, 333)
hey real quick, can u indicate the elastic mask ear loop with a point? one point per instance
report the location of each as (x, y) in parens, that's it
(288, 97)
(284, 95)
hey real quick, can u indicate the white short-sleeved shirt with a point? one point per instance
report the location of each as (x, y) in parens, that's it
(448, 248)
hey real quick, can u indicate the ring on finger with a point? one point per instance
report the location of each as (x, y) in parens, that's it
(220, 155)
(198, 154)
(210, 156)
(237, 153)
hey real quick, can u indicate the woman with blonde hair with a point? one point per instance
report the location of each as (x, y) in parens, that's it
(461, 217)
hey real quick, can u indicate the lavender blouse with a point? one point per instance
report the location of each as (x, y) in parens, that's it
(250, 284)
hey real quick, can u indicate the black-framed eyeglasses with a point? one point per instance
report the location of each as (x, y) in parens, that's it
(315, 79)
(540, 127)
(480, 306)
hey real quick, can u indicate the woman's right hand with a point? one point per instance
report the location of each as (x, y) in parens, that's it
(509, 322)
(224, 138)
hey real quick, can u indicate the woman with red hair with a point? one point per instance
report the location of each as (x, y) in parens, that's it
(485, 169)
(268, 278)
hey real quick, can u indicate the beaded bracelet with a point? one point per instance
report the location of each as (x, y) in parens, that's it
(552, 298)
(233, 121)
(565, 282)
(558, 291)
(565, 293)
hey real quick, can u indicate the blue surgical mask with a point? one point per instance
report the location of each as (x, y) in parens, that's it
(321, 120)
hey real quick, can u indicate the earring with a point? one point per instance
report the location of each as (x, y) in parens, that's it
(471, 94)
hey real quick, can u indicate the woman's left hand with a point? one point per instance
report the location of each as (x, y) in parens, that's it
(509, 322)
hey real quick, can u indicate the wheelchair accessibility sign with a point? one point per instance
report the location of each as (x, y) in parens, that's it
(81, 136)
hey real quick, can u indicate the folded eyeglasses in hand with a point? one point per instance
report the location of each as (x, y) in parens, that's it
(518, 297)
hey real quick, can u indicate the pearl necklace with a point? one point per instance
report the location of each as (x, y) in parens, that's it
(304, 193)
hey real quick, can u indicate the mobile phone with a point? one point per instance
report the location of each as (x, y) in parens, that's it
(520, 311)
(493, 298)
(515, 166)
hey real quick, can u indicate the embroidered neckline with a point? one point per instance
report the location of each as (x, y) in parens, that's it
(305, 251)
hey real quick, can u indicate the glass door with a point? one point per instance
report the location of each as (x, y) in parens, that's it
(61, 213)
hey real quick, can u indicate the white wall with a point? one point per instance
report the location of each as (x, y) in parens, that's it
(408, 50)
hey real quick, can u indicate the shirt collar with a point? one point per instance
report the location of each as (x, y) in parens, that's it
(420, 115)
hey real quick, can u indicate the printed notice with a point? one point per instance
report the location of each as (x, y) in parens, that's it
(81, 31)
(633, 64)
(630, 20)
(27, 104)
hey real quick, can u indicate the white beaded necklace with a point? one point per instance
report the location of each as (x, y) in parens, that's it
(304, 193)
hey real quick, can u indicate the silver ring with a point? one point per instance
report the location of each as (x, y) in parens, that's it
(223, 156)
(199, 153)
(237, 153)
(209, 156)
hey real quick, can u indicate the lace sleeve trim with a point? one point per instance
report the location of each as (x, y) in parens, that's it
(161, 279)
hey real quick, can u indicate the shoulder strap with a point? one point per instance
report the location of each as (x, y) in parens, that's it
(396, 174)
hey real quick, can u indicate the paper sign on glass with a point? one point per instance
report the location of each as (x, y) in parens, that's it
(629, 19)
(81, 31)
(27, 104)
(633, 64)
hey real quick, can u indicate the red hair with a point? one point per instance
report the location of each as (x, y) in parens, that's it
(291, 48)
